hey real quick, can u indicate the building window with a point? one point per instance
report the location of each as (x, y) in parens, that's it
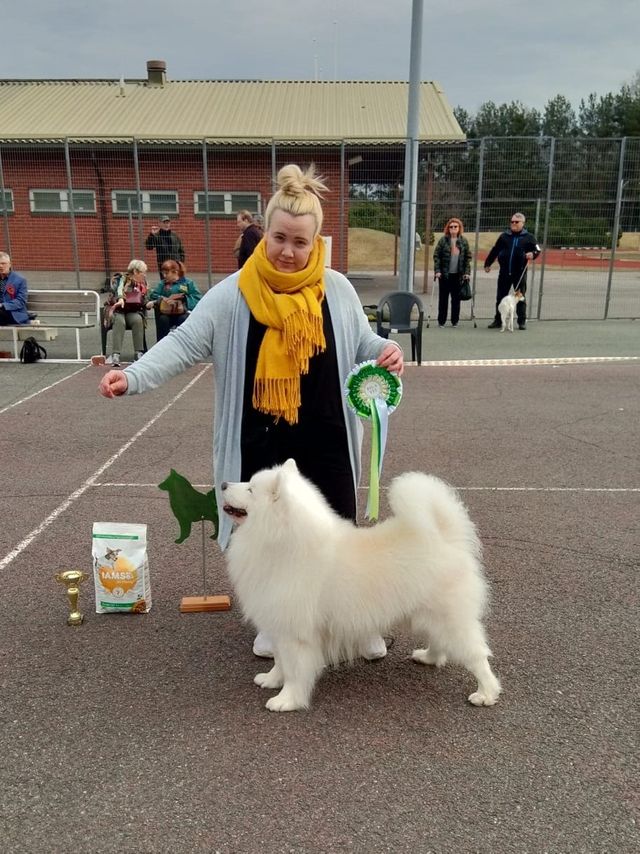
(226, 204)
(8, 202)
(154, 203)
(57, 201)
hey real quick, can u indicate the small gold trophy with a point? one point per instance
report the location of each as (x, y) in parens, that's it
(72, 579)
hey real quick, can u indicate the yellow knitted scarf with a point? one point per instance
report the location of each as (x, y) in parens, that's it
(290, 305)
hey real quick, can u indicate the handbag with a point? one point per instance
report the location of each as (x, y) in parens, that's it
(171, 306)
(133, 300)
(465, 290)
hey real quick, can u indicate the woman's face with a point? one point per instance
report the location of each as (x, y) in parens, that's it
(138, 276)
(289, 241)
(170, 272)
(454, 229)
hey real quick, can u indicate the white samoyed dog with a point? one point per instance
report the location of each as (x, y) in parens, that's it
(321, 588)
(507, 309)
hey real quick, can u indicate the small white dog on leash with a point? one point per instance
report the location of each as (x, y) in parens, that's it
(507, 309)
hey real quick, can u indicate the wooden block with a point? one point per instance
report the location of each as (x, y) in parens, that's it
(194, 604)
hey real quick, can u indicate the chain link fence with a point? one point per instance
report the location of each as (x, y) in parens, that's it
(73, 213)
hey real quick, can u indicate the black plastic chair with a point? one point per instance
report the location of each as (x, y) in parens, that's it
(402, 312)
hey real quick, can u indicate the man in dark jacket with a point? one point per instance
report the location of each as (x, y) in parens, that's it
(167, 244)
(513, 249)
(250, 237)
(13, 294)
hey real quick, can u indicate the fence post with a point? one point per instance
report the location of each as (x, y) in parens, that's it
(616, 225)
(536, 229)
(72, 216)
(136, 168)
(207, 216)
(547, 215)
(5, 213)
(273, 166)
(342, 211)
(428, 224)
(478, 214)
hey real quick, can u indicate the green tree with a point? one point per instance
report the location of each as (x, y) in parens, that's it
(559, 118)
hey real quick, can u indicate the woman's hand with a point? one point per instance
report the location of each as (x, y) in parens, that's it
(392, 358)
(113, 384)
(150, 304)
(120, 302)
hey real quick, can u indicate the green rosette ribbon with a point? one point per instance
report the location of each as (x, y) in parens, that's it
(373, 393)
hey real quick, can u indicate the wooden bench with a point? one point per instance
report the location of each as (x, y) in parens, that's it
(56, 310)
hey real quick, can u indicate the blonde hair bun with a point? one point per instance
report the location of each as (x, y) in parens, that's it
(298, 193)
(294, 182)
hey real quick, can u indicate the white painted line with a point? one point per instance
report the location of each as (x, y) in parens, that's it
(46, 388)
(141, 485)
(536, 488)
(208, 486)
(548, 488)
(493, 363)
(6, 560)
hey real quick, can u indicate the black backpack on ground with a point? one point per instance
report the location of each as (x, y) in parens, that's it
(32, 351)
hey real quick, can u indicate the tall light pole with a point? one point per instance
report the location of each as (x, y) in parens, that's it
(409, 201)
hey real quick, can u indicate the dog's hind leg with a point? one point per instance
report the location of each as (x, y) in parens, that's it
(301, 665)
(272, 679)
(488, 684)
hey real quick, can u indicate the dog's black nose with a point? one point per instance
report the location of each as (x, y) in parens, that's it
(224, 485)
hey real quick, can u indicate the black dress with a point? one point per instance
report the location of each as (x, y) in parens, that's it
(318, 442)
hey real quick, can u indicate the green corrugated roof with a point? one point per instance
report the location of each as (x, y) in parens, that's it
(238, 112)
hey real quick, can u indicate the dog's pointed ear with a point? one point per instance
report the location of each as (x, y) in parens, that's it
(290, 465)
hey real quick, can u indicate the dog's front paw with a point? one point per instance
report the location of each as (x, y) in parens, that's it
(425, 656)
(478, 698)
(272, 679)
(284, 702)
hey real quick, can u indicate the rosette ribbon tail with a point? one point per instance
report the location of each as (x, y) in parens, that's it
(379, 429)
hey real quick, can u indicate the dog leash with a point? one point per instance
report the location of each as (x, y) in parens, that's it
(517, 287)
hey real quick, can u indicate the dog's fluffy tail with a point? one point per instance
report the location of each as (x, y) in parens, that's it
(432, 506)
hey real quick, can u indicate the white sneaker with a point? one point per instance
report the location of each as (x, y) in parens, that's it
(374, 648)
(262, 646)
(114, 359)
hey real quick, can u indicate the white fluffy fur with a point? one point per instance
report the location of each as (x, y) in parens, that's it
(507, 309)
(321, 588)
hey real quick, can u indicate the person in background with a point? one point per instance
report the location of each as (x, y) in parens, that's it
(174, 297)
(126, 310)
(514, 249)
(452, 265)
(250, 237)
(283, 332)
(166, 242)
(13, 294)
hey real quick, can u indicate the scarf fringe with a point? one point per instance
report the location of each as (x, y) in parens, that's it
(278, 397)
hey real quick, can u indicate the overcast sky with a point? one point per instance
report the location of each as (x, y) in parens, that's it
(479, 50)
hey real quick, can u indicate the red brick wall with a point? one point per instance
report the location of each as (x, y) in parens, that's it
(44, 241)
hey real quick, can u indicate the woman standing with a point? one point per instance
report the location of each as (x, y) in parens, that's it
(452, 265)
(283, 333)
(173, 298)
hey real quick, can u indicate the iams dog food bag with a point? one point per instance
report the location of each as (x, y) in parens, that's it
(121, 568)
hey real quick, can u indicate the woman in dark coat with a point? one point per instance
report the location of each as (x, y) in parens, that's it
(452, 265)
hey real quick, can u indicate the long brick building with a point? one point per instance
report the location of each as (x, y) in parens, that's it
(87, 166)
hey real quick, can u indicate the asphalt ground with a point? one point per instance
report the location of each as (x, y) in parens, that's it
(146, 733)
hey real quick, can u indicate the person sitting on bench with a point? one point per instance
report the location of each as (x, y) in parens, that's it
(13, 294)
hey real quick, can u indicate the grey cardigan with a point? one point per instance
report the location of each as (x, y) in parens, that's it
(217, 329)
